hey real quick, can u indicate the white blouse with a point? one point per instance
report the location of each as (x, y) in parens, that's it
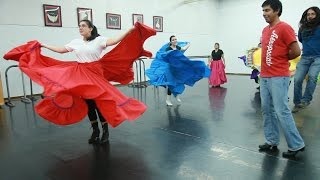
(87, 51)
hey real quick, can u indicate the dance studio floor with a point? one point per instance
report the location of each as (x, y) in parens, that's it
(212, 135)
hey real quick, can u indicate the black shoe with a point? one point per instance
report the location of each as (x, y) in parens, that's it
(267, 147)
(291, 154)
(105, 135)
(94, 139)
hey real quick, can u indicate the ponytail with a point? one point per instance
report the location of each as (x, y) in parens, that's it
(94, 34)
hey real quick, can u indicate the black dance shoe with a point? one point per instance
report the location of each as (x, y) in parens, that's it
(291, 154)
(105, 135)
(268, 147)
(94, 139)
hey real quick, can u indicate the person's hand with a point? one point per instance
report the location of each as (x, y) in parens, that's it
(132, 28)
(42, 45)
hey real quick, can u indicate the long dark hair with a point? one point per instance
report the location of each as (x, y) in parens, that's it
(304, 24)
(275, 5)
(94, 32)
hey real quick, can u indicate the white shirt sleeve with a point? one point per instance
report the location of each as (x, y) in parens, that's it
(102, 42)
(71, 45)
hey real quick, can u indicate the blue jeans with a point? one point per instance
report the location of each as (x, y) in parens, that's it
(308, 65)
(275, 112)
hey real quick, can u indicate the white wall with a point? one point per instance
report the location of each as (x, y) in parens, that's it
(236, 25)
(23, 21)
(240, 24)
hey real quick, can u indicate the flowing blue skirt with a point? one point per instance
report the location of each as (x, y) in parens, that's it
(175, 70)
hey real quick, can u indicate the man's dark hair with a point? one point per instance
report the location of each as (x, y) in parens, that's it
(275, 5)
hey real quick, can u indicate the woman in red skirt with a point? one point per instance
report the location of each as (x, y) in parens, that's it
(82, 86)
(217, 66)
(89, 49)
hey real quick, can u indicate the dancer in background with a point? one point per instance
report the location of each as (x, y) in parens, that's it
(253, 60)
(217, 66)
(174, 46)
(172, 69)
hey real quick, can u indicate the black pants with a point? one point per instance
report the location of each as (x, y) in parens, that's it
(169, 92)
(93, 110)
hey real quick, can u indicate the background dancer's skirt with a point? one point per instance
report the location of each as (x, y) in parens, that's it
(175, 70)
(67, 84)
(218, 75)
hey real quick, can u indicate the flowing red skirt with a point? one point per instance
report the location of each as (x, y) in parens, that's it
(218, 75)
(67, 84)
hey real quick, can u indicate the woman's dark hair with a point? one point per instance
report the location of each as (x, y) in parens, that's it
(304, 24)
(94, 32)
(275, 5)
(217, 44)
(171, 38)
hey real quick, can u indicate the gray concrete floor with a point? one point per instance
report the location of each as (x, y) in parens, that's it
(213, 134)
